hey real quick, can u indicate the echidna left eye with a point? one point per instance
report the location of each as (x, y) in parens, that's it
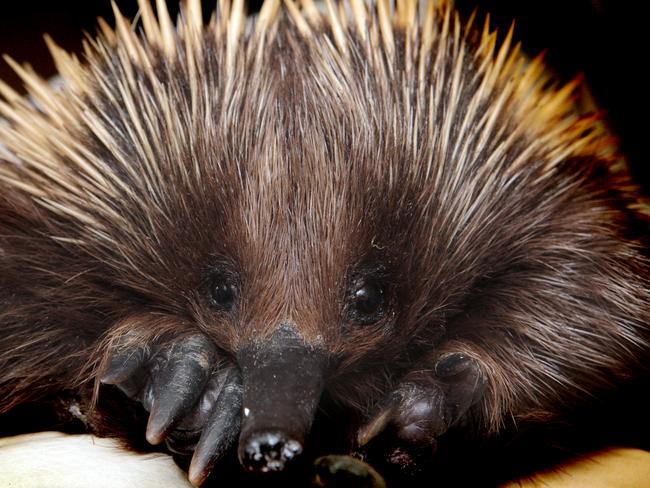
(366, 302)
(223, 293)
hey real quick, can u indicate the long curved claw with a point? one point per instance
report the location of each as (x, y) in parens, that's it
(376, 425)
(221, 430)
(127, 370)
(123, 365)
(182, 440)
(179, 384)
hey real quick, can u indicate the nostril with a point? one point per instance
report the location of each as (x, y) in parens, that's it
(268, 451)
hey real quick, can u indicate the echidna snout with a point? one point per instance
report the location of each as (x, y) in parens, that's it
(283, 378)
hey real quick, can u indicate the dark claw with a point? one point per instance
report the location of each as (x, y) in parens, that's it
(415, 414)
(221, 430)
(127, 370)
(123, 365)
(179, 384)
(183, 439)
(376, 425)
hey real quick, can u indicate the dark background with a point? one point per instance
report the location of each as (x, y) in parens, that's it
(605, 40)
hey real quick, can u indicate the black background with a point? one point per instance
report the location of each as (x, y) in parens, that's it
(605, 40)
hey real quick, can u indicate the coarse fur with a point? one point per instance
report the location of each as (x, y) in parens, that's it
(296, 151)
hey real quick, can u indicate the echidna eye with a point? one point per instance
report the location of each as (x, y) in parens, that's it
(223, 293)
(366, 303)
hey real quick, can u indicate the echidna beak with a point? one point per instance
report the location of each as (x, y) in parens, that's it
(283, 379)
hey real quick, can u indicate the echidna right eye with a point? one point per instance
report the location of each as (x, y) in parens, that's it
(223, 293)
(366, 302)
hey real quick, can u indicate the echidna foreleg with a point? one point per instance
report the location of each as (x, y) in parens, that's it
(429, 402)
(194, 397)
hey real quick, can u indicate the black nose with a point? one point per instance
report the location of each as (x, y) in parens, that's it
(268, 451)
(283, 378)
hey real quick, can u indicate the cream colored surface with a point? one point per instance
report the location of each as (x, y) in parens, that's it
(614, 468)
(54, 460)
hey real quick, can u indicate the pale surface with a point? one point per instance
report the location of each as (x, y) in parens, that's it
(614, 468)
(54, 460)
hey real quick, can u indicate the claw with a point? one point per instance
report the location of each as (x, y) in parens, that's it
(126, 370)
(377, 425)
(123, 365)
(179, 384)
(221, 430)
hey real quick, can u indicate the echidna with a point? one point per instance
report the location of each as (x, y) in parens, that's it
(370, 208)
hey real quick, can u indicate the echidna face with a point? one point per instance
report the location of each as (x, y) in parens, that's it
(310, 303)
